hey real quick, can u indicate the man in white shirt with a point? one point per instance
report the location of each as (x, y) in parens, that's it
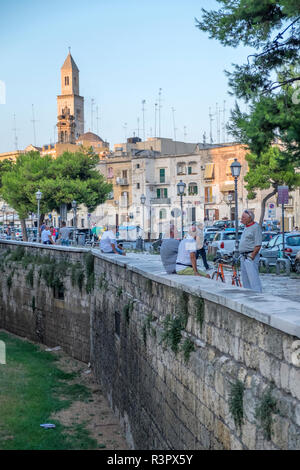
(46, 236)
(108, 243)
(186, 262)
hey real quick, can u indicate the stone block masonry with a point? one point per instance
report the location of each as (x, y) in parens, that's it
(186, 363)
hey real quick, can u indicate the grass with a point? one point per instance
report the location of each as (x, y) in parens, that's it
(32, 388)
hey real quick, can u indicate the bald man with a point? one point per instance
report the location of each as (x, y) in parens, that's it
(249, 247)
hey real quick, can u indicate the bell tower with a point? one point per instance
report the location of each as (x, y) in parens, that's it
(70, 105)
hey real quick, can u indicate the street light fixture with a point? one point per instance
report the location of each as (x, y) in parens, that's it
(235, 168)
(230, 199)
(74, 206)
(180, 191)
(38, 196)
(143, 201)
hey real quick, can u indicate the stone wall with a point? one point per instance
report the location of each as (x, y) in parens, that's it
(185, 363)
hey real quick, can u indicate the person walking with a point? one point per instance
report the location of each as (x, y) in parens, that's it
(249, 247)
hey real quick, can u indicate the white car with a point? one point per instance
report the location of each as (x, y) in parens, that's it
(224, 242)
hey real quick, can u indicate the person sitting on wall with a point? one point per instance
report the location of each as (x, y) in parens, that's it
(186, 262)
(46, 237)
(108, 244)
(169, 251)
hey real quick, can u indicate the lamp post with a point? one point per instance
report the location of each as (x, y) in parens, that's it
(235, 168)
(180, 191)
(74, 206)
(38, 196)
(89, 225)
(230, 199)
(143, 201)
(3, 208)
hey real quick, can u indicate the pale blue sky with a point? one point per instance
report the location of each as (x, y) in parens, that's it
(125, 50)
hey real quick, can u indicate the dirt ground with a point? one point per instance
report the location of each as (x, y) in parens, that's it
(98, 417)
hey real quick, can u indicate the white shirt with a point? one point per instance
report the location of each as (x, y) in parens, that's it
(106, 240)
(186, 247)
(45, 236)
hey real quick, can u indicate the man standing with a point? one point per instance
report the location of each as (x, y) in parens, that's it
(200, 246)
(168, 252)
(250, 244)
(64, 234)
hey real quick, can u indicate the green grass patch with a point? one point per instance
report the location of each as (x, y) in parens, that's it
(32, 388)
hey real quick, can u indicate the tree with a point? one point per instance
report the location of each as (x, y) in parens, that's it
(271, 27)
(69, 176)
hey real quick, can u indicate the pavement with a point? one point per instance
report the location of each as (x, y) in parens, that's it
(281, 286)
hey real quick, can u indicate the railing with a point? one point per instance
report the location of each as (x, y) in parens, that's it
(162, 200)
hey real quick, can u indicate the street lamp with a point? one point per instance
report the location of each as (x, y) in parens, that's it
(74, 206)
(230, 199)
(38, 196)
(89, 225)
(235, 168)
(143, 201)
(180, 191)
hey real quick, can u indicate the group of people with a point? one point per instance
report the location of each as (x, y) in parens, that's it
(51, 236)
(180, 257)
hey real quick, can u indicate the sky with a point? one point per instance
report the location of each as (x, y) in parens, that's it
(126, 50)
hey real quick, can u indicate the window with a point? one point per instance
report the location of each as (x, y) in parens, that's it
(162, 175)
(137, 185)
(163, 214)
(137, 165)
(181, 169)
(293, 241)
(162, 193)
(110, 172)
(124, 174)
(208, 194)
(66, 81)
(193, 189)
(209, 171)
(228, 169)
(190, 170)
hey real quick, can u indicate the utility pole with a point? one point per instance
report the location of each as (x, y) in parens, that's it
(125, 130)
(155, 115)
(185, 133)
(224, 123)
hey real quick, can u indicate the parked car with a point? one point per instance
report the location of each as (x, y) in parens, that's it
(267, 237)
(297, 263)
(272, 250)
(223, 224)
(224, 242)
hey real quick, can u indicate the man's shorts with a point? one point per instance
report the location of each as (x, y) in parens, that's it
(188, 271)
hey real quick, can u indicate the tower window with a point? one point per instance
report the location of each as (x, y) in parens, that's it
(66, 81)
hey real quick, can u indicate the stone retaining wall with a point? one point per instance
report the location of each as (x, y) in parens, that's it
(185, 363)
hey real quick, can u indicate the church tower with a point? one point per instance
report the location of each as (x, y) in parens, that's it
(70, 105)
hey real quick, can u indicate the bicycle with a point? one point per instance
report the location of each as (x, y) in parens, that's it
(225, 263)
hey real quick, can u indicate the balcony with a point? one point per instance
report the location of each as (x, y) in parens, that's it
(122, 181)
(160, 201)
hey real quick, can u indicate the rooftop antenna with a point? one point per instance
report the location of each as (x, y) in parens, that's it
(143, 111)
(155, 114)
(204, 138)
(224, 122)
(92, 113)
(184, 133)
(138, 126)
(97, 119)
(218, 122)
(15, 133)
(125, 130)
(210, 125)
(173, 113)
(159, 112)
(33, 124)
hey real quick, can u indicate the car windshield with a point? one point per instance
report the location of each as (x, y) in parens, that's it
(230, 235)
(293, 241)
(266, 237)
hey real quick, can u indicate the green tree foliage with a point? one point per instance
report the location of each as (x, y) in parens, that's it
(5, 165)
(270, 27)
(69, 176)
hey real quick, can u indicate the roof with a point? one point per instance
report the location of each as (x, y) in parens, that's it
(69, 63)
(90, 136)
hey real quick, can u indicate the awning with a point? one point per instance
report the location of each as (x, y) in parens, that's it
(227, 186)
(209, 171)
